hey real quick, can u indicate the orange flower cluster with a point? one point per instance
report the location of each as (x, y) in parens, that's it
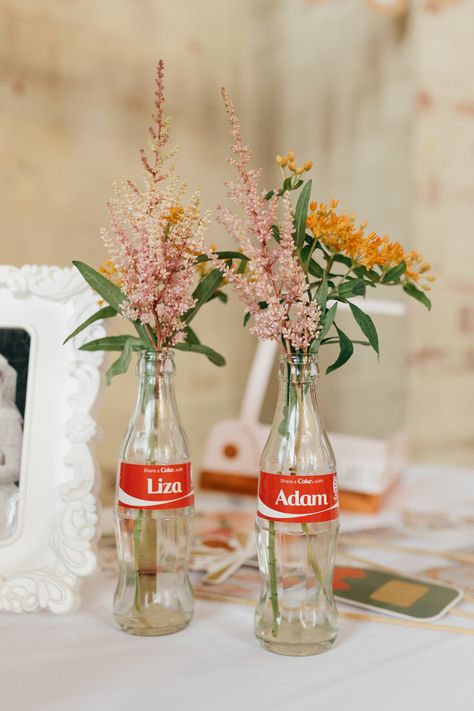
(175, 215)
(340, 234)
(109, 270)
(290, 161)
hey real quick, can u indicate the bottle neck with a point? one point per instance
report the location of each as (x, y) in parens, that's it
(297, 429)
(155, 434)
(297, 394)
(156, 401)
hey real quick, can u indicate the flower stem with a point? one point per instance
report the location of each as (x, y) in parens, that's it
(136, 542)
(145, 551)
(304, 526)
(273, 578)
(312, 558)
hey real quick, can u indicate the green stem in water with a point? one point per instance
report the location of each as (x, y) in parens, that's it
(273, 578)
(312, 559)
(141, 513)
(304, 526)
(136, 542)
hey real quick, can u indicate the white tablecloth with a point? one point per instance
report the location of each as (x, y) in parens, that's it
(83, 661)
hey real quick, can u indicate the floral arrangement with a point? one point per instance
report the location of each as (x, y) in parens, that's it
(157, 249)
(303, 261)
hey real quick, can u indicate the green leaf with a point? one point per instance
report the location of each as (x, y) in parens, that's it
(105, 312)
(413, 291)
(287, 184)
(333, 339)
(242, 266)
(191, 336)
(365, 273)
(315, 269)
(225, 254)
(366, 326)
(394, 274)
(346, 349)
(328, 320)
(314, 347)
(352, 287)
(342, 259)
(269, 195)
(112, 343)
(298, 184)
(110, 292)
(301, 213)
(247, 318)
(121, 364)
(288, 409)
(276, 232)
(327, 323)
(147, 340)
(211, 354)
(322, 293)
(203, 292)
(221, 295)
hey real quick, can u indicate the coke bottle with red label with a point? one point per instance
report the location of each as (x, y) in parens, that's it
(154, 508)
(297, 520)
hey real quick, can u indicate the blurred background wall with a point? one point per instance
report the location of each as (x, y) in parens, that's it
(382, 102)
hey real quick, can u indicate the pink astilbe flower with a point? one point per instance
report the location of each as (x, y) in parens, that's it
(155, 237)
(273, 288)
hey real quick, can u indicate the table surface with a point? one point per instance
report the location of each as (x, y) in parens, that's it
(83, 661)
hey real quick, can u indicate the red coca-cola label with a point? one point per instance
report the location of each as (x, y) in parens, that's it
(155, 486)
(293, 498)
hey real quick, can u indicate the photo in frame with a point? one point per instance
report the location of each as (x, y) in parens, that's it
(48, 476)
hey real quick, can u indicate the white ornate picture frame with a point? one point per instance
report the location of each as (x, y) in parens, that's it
(52, 548)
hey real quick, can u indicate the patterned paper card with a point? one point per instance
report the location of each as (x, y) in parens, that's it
(408, 597)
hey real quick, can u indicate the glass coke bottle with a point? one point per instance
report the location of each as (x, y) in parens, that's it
(154, 508)
(297, 520)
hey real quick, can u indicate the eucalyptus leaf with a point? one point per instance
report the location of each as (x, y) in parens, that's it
(112, 343)
(346, 349)
(224, 254)
(301, 214)
(333, 339)
(148, 341)
(288, 408)
(203, 293)
(221, 295)
(121, 364)
(242, 266)
(110, 292)
(105, 312)
(191, 336)
(210, 353)
(366, 325)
